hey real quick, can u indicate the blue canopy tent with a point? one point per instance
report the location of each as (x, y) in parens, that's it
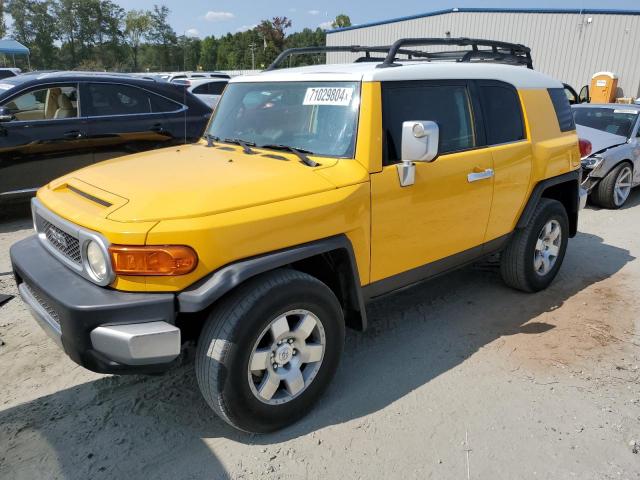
(13, 48)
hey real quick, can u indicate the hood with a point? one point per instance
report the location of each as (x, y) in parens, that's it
(196, 180)
(599, 139)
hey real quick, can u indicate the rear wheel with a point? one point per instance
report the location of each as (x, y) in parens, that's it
(535, 253)
(614, 189)
(269, 350)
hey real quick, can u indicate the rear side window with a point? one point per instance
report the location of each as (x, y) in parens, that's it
(201, 89)
(562, 108)
(502, 114)
(447, 105)
(216, 88)
(211, 88)
(163, 105)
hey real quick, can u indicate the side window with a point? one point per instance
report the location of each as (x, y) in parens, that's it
(113, 99)
(201, 89)
(45, 104)
(502, 114)
(163, 105)
(216, 88)
(447, 105)
(562, 108)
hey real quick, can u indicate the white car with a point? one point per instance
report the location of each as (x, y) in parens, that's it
(9, 72)
(206, 89)
(170, 77)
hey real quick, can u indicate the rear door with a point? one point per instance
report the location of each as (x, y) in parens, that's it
(511, 150)
(124, 119)
(46, 139)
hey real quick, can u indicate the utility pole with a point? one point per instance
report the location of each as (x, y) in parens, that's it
(252, 47)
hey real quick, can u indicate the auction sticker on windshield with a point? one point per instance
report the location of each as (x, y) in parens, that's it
(328, 96)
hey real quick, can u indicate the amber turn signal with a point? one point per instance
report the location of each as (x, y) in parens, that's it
(153, 260)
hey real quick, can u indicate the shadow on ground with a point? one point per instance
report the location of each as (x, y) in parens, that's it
(414, 336)
(14, 212)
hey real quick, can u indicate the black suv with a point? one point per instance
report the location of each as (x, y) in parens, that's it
(56, 122)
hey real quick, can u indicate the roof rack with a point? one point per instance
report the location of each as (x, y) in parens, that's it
(494, 51)
(341, 48)
(502, 52)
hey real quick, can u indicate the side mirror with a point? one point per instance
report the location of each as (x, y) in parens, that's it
(419, 144)
(584, 95)
(6, 115)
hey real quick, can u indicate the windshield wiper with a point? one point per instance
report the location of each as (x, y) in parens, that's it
(210, 139)
(246, 146)
(300, 152)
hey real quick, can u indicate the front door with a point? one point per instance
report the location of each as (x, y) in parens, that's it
(45, 140)
(446, 211)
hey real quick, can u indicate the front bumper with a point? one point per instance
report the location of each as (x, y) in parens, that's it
(104, 330)
(588, 182)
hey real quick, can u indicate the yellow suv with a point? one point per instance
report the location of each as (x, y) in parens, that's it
(314, 190)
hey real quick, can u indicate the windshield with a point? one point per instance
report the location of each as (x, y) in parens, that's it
(619, 121)
(318, 117)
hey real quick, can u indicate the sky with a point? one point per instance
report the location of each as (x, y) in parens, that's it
(201, 17)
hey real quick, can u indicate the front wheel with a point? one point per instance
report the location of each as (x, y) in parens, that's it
(535, 253)
(269, 350)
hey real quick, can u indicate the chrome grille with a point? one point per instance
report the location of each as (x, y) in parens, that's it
(65, 243)
(53, 313)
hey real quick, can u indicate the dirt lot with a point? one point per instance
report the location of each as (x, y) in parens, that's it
(456, 378)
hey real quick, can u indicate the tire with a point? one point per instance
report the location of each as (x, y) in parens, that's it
(232, 332)
(520, 263)
(605, 194)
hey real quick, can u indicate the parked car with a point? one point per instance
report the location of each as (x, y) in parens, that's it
(206, 89)
(613, 167)
(573, 97)
(180, 75)
(54, 123)
(317, 189)
(9, 72)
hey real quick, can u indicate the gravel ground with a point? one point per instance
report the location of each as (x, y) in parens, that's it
(456, 378)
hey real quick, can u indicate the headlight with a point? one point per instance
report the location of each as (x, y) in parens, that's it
(97, 261)
(592, 163)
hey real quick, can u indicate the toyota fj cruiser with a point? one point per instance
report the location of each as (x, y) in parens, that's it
(315, 190)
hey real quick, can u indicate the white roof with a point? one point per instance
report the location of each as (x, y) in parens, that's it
(520, 77)
(604, 74)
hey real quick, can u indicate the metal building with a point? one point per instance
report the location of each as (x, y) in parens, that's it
(570, 45)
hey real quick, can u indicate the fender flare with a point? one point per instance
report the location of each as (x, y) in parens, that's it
(206, 291)
(538, 190)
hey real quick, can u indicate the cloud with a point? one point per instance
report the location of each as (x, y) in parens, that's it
(192, 32)
(244, 28)
(328, 25)
(314, 12)
(218, 16)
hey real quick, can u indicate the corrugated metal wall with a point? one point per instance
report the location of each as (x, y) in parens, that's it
(569, 47)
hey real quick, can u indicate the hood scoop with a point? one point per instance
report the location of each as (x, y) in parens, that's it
(88, 196)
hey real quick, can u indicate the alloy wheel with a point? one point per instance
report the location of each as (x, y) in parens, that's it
(286, 357)
(547, 247)
(622, 187)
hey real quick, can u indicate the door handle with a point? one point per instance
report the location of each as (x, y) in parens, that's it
(74, 134)
(158, 128)
(475, 176)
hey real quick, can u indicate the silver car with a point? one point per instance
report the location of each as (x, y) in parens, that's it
(613, 167)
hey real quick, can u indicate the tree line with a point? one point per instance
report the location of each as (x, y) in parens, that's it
(101, 35)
